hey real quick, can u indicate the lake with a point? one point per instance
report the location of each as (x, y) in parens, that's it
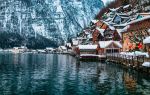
(55, 74)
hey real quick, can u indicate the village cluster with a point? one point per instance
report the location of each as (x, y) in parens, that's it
(121, 30)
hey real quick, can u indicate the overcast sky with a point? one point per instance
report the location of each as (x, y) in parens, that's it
(105, 1)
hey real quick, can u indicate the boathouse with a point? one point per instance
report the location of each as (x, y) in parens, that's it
(106, 47)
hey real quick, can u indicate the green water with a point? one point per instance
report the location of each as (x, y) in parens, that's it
(52, 74)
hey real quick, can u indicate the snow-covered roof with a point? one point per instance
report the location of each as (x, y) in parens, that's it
(105, 44)
(101, 30)
(49, 48)
(119, 32)
(146, 40)
(118, 44)
(138, 20)
(94, 21)
(127, 6)
(114, 9)
(75, 42)
(123, 15)
(80, 38)
(89, 36)
(63, 47)
(111, 27)
(108, 19)
(87, 33)
(134, 21)
(89, 47)
(125, 28)
(149, 30)
(123, 25)
(146, 64)
(144, 13)
(68, 44)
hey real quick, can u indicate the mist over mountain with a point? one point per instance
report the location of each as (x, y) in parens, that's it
(53, 20)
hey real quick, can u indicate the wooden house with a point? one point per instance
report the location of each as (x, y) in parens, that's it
(134, 34)
(111, 33)
(106, 47)
(105, 32)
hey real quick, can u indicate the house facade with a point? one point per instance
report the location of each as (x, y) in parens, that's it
(135, 33)
(106, 47)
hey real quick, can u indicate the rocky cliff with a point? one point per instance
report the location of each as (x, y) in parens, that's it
(54, 20)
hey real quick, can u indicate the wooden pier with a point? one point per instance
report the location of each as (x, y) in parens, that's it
(128, 61)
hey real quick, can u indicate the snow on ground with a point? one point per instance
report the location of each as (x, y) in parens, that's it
(136, 53)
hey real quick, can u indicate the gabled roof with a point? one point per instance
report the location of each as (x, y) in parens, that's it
(123, 17)
(101, 30)
(94, 21)
(110, 26)
(119, 32)
(105, 44)
(127, 6)
(114, 9)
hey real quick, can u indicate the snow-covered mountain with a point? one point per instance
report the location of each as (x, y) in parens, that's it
(56, 20)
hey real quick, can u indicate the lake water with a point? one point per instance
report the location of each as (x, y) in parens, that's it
(52, 74)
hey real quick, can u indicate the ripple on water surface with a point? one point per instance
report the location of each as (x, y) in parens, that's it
(52, 74)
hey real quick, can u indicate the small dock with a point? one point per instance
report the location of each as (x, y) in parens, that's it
(92, 57)
(128, 61)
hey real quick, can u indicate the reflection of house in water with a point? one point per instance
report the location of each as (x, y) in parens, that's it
(129, 82)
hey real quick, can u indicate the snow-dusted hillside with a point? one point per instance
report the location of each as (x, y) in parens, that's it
(56, 20)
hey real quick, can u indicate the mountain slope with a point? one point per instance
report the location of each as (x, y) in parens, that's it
(56, 20)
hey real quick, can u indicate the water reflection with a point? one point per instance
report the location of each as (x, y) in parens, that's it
(52, 74)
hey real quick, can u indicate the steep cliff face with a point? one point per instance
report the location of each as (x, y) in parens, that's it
(56, 20)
